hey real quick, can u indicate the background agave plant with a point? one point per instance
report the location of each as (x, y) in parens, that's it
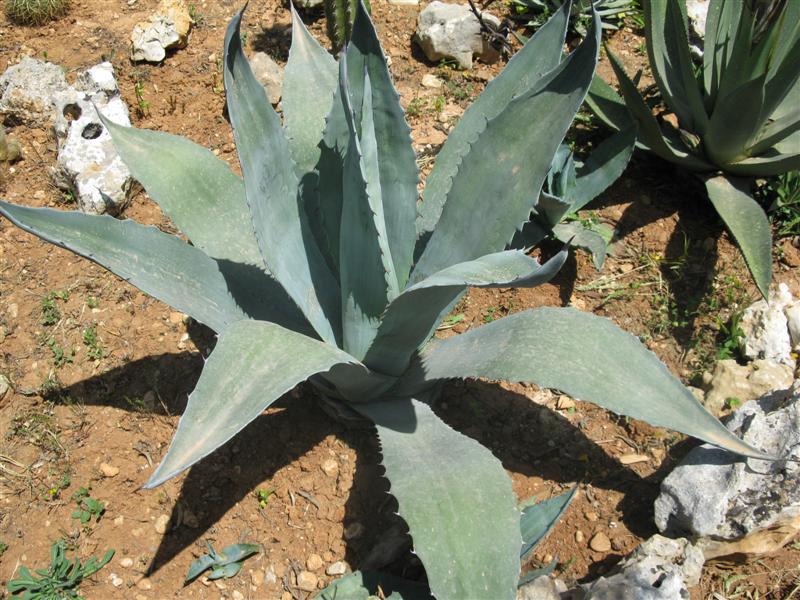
(570, 185)
(306, 269)
(737, 118)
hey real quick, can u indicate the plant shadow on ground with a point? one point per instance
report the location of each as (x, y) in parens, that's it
(688, 263)
(510, 424)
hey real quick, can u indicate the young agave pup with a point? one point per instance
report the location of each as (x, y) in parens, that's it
(318, 254)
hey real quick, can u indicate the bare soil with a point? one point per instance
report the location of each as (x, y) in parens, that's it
(673, 277)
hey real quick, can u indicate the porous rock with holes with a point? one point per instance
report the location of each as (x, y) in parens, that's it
(88, 164)
(28, 90)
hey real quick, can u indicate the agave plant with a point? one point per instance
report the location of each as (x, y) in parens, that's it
(305, 267)
(339, 15)
(735, 119)
(570, 185)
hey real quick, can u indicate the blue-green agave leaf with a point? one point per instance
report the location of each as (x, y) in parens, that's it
(271, 189)
(671, 63)
(603, 167)
(362, 241)
(413, 316)
(362, 585)
(747, 222)
(159, 264)
(608, 105)
(509, 162)
(455, 497)
(210, 210)
(539, 518)
(585, 356)
(594, 240)
(540, 55)
(247, 371)
(309, 82)
(722, 23)
(395, 186)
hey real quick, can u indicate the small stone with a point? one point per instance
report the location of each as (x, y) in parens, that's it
(175, 317)
(429, 80)
(126, 562)
(307, 581)
(108, 470)
(565, 403)
(600, 542)
(269, 74)
(5, 386)
(579, 536)
(161, 524)
(237, 595)
(220, 585)
(314, 562)
(167, 28)
(119, 521)
(632, 459)
(257, 578)
(13, 310)
(337, 568)
(353, 531)
(590, 516)
(330, 467)
(116, 580)
(144, 584)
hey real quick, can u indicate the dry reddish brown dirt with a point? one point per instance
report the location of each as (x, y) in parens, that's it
(672, 274)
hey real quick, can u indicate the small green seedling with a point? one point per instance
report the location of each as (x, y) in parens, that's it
(88, 508)
(224, 564)
(61, 580)
(50, 312)
(263, 496)
(93, 349)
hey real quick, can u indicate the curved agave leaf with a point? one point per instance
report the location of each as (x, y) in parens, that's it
(159, 264)
(673, 70)
(603, 167)
(541, 54)
(362, 241)
(651, 135)
(509, 162)
(585, 356)
(732, 130)
(363, 585)
(608, 105)
(780, 158)
(210, 210)
(455, 497)
(246, 372)
(271, 188)
(394, 177)
(537, 519)
(722, 23)
(412, 317)
(309, 83)
(747, 222)
(593, 240)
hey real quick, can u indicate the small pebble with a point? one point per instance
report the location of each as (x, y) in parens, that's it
(144, 584)
(119, 521)
(108, 470)
(431, 81)
(337, 568)
(237, 595)
(126, 562)
(116, 580)
(257, 578)
(220, 585)
(161, 524)
(307, 581)
(632, 459)
(314, 562)
(330, 467)
(590, 516)
(579, 536)
(600, 542)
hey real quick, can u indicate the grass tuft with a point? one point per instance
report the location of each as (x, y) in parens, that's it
(35, 12)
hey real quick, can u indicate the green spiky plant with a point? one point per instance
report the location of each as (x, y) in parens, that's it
(738, 117)
(35, 12)
(570, 185)
(339, 16)
(305, 268)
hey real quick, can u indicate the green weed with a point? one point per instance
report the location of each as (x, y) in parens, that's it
(50, 311)
(93, 349)
(88, 508)
(61, 580)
